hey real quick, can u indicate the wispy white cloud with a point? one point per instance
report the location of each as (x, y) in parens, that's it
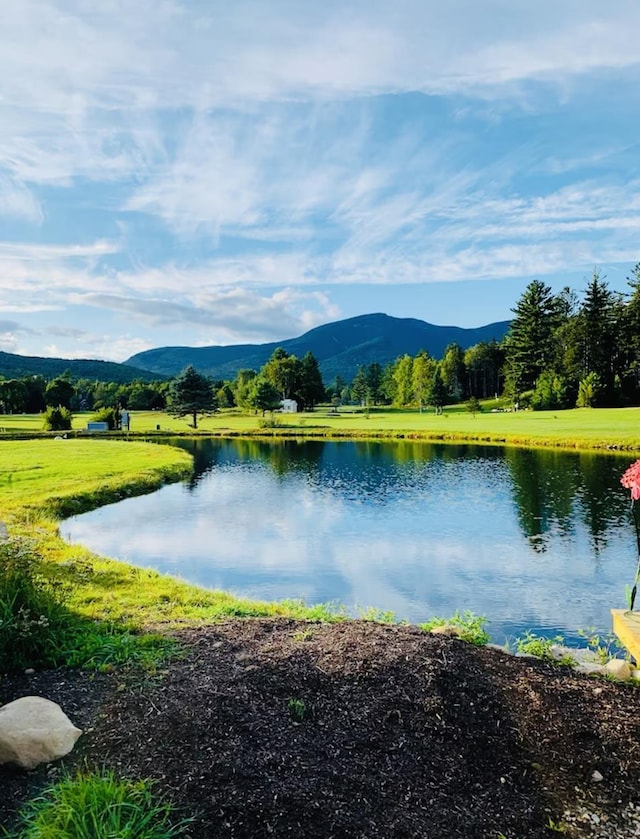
(106, 346)
(231, 316)
(17, 201)
(225, 166)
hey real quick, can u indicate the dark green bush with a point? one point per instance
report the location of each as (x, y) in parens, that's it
(109, 415)
(57, 419)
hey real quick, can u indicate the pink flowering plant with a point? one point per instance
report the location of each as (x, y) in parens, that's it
(631, 480)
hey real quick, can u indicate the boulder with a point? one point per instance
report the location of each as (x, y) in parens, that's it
(618, 668)
(447, 629)
(34, 730)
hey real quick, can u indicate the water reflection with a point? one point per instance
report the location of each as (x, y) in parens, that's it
(534, 539)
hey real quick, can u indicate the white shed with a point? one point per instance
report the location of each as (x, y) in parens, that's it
(289, 406)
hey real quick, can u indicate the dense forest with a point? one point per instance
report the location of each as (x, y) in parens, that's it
(561, 351)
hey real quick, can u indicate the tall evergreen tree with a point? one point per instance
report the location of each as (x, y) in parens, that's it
(374, 382)
(438, 395)
(631, 331)
(596, 337)
(191, 394)
(484, 363)
(454, 371)
(359, 389)
(529, 345)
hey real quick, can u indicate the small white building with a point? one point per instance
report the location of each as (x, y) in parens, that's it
(289, 406)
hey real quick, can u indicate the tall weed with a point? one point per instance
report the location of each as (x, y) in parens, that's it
(34, 624)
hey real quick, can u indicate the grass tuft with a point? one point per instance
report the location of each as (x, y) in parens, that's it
(539, 646)
(297, 709)
(97, 806)
(471, 627)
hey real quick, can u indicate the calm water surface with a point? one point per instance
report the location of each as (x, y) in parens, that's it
(532, 539)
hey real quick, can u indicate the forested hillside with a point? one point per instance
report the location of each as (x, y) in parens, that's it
(16, 366)
(340, 348)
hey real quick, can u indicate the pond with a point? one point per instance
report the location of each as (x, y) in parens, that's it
(533, 539)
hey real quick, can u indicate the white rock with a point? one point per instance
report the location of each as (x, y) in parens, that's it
(34, 730)
(447, 629)
(618, 668)
(596, 776)
(635, 674)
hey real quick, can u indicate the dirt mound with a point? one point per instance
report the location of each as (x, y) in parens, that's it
(276, 728)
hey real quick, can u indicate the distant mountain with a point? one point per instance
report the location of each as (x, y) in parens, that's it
(340, 347)
(16, 366)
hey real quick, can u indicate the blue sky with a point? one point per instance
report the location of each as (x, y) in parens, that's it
(205, 172)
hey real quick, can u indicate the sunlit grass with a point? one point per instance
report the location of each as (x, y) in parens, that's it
(62, 476)
(578, 428)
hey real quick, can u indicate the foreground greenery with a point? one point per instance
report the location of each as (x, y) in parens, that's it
(97, 806)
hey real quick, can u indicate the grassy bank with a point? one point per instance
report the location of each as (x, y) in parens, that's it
(107, 602)
(605, 428)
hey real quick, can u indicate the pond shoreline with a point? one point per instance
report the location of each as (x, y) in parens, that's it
(603, 445)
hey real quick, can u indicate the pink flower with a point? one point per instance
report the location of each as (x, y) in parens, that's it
(631, 480)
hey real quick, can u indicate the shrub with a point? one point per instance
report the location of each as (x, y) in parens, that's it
(589, 390)
(97, 805)
(57, 419)
(551, 393)
(473, 405)
(109, 415)
(269, 422)
(541, 647)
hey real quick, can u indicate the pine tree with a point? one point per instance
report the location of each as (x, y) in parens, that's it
(454, 371)
(529, 344)
(596, 333)
(191, 394)
(359, 389)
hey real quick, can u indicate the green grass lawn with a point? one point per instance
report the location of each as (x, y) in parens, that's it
(43, 475)
(578, 428)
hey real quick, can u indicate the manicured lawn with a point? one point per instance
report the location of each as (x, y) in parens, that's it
(42, 474)
(578, 428)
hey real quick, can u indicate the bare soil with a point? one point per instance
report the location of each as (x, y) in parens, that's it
(278, 728)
